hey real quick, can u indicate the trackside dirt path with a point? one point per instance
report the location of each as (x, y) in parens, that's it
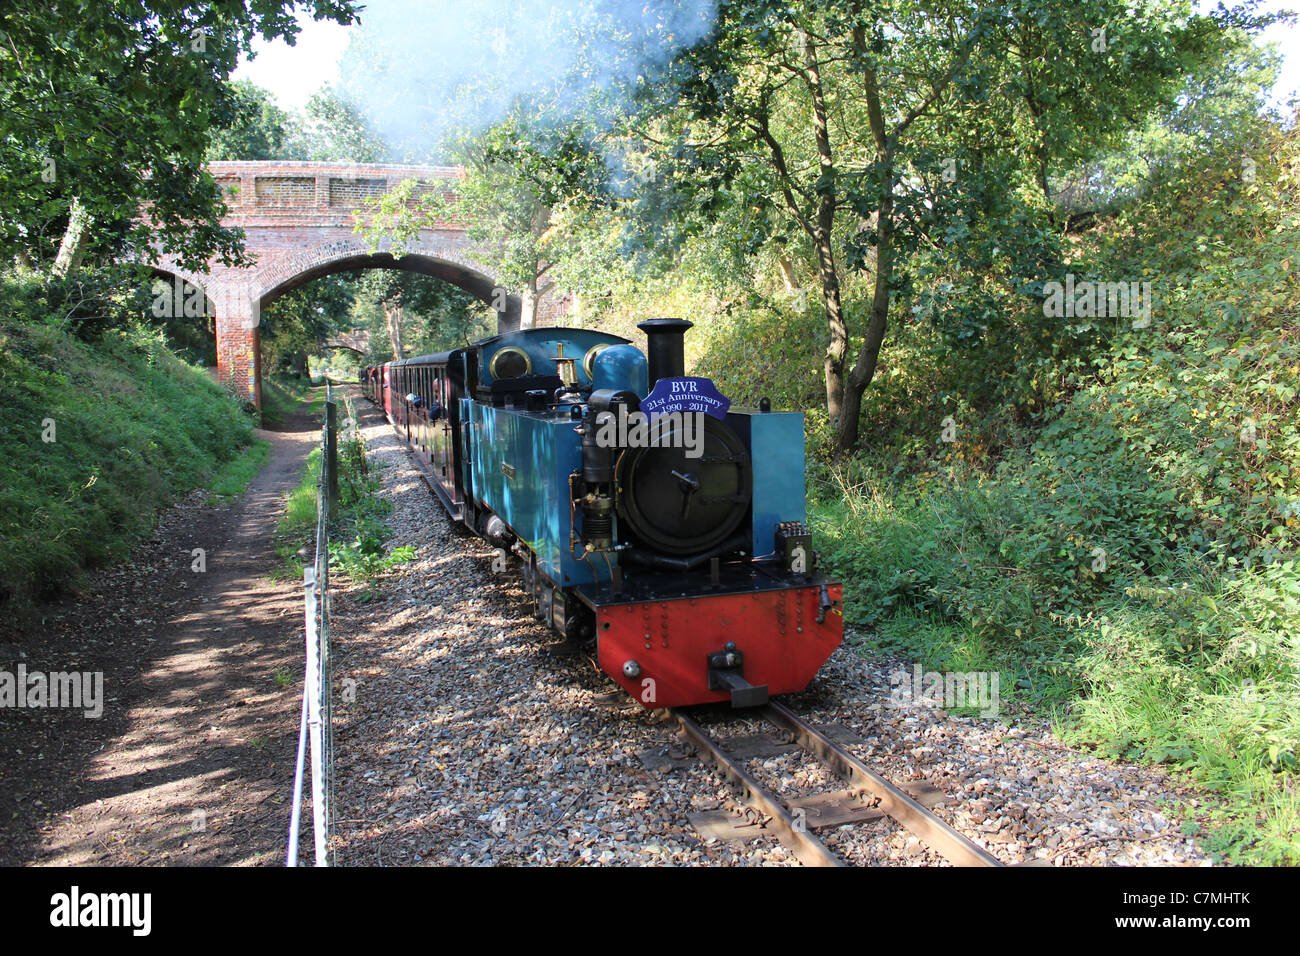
(192, 759)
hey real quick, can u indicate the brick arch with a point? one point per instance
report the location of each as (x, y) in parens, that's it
(299, 222)
(430, 258)
(177, 302)
(170, 271)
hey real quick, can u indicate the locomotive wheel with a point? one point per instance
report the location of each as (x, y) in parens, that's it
(680, 505)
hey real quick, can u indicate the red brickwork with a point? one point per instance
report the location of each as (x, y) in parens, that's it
(299, 221)
(239, 361)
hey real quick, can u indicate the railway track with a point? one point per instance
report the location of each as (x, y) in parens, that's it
(874, 795)
(870, 797)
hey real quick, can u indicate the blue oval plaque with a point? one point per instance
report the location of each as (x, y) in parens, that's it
(685, 395)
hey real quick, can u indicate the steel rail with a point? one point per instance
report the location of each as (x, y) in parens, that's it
(793, 833)
(956, 848)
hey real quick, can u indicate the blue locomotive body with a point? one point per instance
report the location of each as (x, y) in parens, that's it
(687, 565)
(519, 469)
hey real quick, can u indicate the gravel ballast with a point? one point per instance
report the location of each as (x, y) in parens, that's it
(467, 733)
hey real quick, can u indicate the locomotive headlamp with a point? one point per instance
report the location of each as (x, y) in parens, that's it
(510, 362)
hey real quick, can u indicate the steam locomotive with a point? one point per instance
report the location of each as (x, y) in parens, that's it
(648, 515)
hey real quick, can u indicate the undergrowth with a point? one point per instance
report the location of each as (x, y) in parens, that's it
(96, 438)
(1129, 557)
(233, 477)
(358, 556)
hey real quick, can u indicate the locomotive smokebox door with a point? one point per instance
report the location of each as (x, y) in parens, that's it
(677, 504)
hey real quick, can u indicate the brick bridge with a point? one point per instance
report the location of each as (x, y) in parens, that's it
(298, 220)
(358, 340)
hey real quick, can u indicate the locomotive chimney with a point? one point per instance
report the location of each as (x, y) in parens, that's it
(665, 347)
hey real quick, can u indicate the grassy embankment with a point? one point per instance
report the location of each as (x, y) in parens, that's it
(96, 437)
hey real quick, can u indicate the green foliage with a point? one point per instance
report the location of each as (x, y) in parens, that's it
(357, 532)
(839, 195)
(85, 304)
(520, 180)
(133, 428)
(298, 322)
(281, 396)
(335, 130)
(113, 103)
(364, 557)
(330, 129)
(1133, 561)
(300, 506)
(257, 127)
(192, 337)
(909, 144)
(434, 315)
(233, 477)
(755, 352)
(1181, 663)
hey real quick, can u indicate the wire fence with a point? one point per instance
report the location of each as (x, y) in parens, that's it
(316, 728)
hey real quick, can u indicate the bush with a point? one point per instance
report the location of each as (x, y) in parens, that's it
(1132, 562)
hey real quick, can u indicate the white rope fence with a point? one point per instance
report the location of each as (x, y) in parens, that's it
(316, 727)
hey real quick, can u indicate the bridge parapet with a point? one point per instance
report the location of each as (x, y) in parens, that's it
(319, 193)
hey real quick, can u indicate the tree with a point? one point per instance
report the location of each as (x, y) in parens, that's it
(252, 126)
(847, 117)
(299, 321)
(110, 106)
(336, 131)
(420, 314)
(516, 175)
